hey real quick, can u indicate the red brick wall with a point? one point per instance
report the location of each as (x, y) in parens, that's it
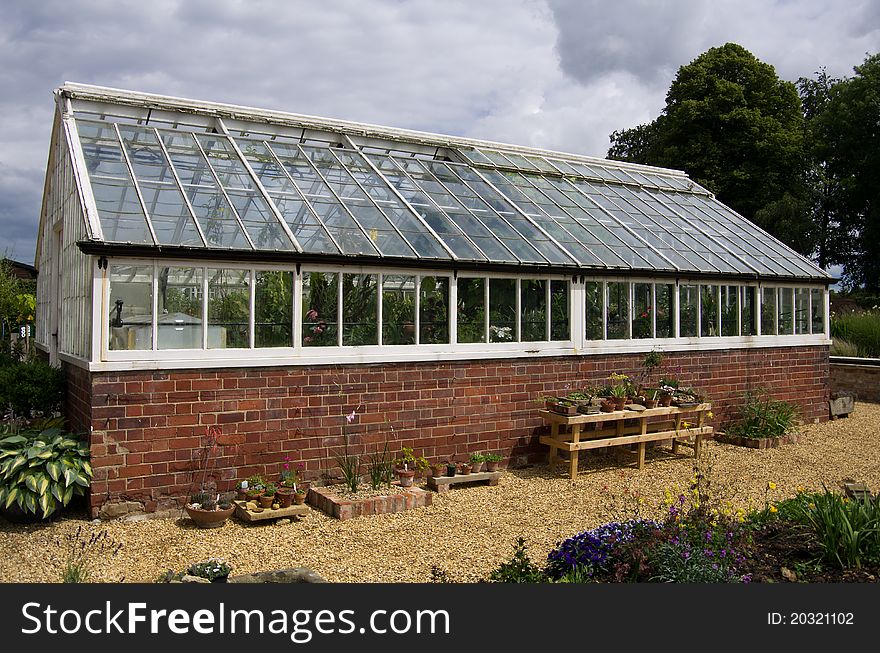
(148, 426)
(77, 397)
(861, 381)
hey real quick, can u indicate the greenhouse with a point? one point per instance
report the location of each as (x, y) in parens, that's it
(206, 264)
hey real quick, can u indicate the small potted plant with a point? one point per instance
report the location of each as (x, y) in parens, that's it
(406, 466)
(464, 468)
(451, 468)
(268, 497)
(215, 570)
(300, 493)
(618, 389)
(492, 461)
(477, 461)
(438, 469)
(209, 510)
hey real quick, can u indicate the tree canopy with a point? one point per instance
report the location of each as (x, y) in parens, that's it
(738, 130)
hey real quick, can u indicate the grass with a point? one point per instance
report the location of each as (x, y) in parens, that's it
(858, 330)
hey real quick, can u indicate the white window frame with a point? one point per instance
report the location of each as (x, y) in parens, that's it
(381, 353)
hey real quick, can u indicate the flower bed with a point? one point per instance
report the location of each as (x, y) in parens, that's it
(329, 501)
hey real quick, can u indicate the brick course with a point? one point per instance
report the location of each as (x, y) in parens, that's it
(147, 427)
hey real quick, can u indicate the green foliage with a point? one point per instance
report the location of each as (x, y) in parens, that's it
(83, 549)
(30, 388)
(212, 568)
(492, 458)
(380, 468)
(761, 416)
(736, 129)
(17, 300)
(350, 465)
(41, 467)
(840, 347)
(519, 569)
(848, 529)
(273, 308)
(844, 130)
(478, 458)
(861, 330)
(408, 458)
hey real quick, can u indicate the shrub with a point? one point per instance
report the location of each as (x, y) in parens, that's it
(592, 552)
(848, 529)
(82, 550)
(212, 568)
(761, 416)
(860, 329)
(520, 568)
(31, 388)
(41, 467)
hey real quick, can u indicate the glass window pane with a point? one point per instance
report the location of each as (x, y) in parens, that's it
(747, 299)
(560, 309)
(786, 311)
(434, 310)
(802, 310)
(471, 311)
(180, 308)
(687, 314)
(398, 310)
(708, 311)
(768, 311)
(533, 314)
(502, 310)
(360, 309)
(665, 310)
(617, 314)
(729, 310)
(642, 326)
(595, 310)
(131, 307)
(228, 309)
(817, 310)
(320, 309)
(273, 307)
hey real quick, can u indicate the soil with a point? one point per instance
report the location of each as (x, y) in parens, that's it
(785, 552)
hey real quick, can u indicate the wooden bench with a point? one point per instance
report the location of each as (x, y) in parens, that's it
(442, 484)
(644, 427)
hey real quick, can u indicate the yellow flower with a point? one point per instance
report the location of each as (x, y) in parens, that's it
(710, 415)
(801, 489)
(773, 508)
(771, 485)
(811, 506)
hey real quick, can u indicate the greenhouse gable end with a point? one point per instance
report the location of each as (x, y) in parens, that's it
(266, 273)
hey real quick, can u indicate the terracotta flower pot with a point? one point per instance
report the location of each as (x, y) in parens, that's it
(209, 518)
(300, 498)
(285, 497)
(491, 465)
(405, 476)
(619, 403)
(477, 467)
(438, 470)
(266, 500)
(465, 468)
(650, 403)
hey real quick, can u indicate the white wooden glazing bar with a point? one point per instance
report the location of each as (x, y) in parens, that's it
(134, 181)
(179, 185)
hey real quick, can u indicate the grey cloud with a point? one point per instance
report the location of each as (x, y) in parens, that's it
(644, 38)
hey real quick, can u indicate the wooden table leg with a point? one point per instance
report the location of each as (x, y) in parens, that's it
(554, 434)
(576, 437)
(677, 429)
(700, 418)
(643, 445)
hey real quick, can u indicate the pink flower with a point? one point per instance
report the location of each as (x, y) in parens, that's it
(312, 314)
(350, 418)
(317, 330)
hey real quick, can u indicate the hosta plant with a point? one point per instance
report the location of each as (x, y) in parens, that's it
(42, 467)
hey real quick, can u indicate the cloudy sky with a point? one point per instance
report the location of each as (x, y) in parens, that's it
(560, 74)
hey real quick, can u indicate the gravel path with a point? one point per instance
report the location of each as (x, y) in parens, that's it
(469, 530)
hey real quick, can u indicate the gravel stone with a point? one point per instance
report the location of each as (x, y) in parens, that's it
(468, 531)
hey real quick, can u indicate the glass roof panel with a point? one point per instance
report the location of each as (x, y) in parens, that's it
(259, 220)
(169, 215)
(225, 162)
(212, 210)
(119, 208)
(171, 184)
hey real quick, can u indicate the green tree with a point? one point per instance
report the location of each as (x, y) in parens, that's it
(737, 130)
(849, 124)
